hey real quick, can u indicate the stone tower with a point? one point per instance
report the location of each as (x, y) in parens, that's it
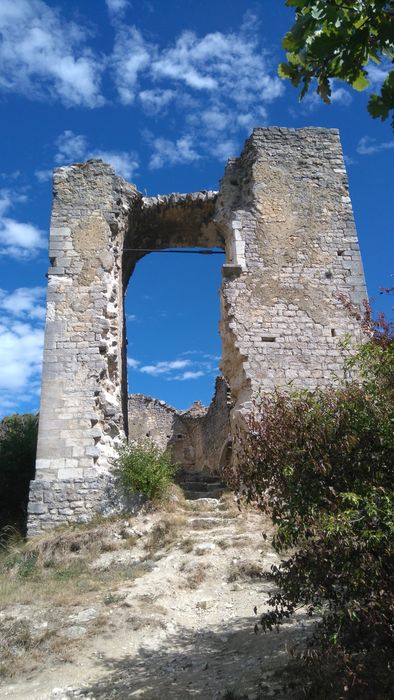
(284, 219)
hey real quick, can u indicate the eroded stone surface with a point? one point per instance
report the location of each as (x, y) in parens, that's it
(283, 216)
(196, 439)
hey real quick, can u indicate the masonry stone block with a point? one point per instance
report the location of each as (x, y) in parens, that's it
(282, 217)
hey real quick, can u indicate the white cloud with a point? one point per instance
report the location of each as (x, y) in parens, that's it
(223, 150)
(21, 346)
(341, 96)
(167, 152)
(17, 239)
(42, 56)
(164, 367)
(70, 147)
(131, 362)
(349, 160)
(24, 302)
(187, 375)
(230, 65)
(201, 365)
(124, 164)
(74, 147)
(218, 85)
(43, 175)
(312, 101)
(155, 101)
(377, 74)
(116, 7)
(367, 146)
(131, 56)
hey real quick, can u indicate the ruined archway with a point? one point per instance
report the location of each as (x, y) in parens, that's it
(176, 222)
(284, 218)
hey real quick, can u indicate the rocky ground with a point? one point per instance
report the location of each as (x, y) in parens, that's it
(158, 606)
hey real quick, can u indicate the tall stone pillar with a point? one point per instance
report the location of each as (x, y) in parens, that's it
(81, 414)
(294, 253)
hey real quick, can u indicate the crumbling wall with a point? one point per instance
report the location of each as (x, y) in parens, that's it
(157, 421)
(195, 438)
(210, 430)
(283, 216)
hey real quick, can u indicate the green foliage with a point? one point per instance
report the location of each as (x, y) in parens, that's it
(18, 444)
(143, 468)
(337, 39)
(321, 463)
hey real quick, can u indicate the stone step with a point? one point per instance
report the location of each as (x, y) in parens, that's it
(199, 495)
(201, 485)
(209, 522)
(197, 476)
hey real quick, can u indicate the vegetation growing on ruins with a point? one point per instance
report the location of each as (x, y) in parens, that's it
(337, 39)
(18, 443)
(321, 463)
(142, 468)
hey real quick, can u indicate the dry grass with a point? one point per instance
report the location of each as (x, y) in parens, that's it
(187, 545)
(245, 571)
(55, 567)
(23, 648)
(165, 533)
(172, 499)
(195, 575)
(62, 545)
(137, 622)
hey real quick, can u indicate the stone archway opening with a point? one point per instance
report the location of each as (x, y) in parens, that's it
(182, 226)
(172, 314)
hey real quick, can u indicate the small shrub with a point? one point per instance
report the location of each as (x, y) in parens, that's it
(143, 468)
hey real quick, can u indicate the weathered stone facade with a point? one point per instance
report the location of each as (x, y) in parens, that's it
(196, 439)
(283, 216)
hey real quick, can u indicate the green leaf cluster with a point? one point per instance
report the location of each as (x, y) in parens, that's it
(142, 468)
(18, 444)
(338, 39)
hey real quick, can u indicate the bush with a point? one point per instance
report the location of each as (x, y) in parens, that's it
(18, 444)
(142, 468)
(321, 463)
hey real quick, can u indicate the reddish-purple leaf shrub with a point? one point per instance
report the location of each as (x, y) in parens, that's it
(321, 464)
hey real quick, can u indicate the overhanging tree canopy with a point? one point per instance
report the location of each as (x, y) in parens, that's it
(338, 39)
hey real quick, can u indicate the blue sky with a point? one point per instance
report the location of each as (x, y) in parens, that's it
(166, 92)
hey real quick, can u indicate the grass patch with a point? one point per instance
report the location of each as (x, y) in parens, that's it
(245, 571)
(23, 648)
(54, 567)
(165, 533)
(172, 499)
(187, 545)
(195, 575)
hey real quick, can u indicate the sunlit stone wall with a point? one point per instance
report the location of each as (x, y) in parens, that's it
(284, 218)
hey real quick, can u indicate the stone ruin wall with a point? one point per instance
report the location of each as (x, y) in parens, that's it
(284, 219)
(197, 439)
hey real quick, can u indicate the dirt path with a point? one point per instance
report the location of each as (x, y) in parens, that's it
(183, 628)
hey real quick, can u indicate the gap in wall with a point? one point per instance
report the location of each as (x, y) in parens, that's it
(172, 322)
